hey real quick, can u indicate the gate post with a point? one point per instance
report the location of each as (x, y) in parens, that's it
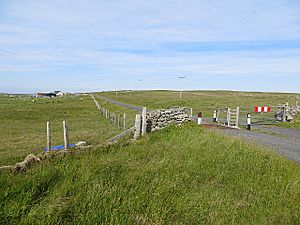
(137, 126)
(237, 116)
(228, 116)
(144, 113)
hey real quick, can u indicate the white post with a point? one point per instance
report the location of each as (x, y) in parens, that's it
(48, 137)
(144, 112)
(248, 121)
(191, 113)
(237, 116)
(215, 116)
(66, 140)
(118, 121)
(137, 126)
(124, 121)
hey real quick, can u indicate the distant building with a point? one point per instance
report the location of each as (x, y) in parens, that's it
(49, 95)
(58, 93)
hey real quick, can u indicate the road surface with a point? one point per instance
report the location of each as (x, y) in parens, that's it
(132, 107)
(284, 140)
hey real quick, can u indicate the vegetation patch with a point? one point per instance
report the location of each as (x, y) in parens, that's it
(180, 175)
(295, 124)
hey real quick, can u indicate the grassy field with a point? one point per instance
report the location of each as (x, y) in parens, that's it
(205, 101)
(180, 175)
(23, 124)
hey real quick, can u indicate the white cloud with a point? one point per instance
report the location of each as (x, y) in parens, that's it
(117, 36)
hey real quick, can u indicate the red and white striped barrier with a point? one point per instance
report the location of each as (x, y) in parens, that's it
(262, 109)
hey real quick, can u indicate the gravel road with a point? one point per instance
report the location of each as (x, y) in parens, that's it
(285, 141)
(125, 105)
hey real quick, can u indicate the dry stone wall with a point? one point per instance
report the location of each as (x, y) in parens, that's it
(286, 112)
(161, 118)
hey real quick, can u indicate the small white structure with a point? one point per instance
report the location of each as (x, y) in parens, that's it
(58, 93)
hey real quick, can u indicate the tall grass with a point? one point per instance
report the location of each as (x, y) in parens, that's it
(180, 175)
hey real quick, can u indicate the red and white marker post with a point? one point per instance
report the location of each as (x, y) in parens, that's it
(199, 121)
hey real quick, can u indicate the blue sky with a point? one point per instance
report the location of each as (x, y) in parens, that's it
(96, 45)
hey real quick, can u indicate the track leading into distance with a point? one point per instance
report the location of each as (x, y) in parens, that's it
(283, 140)
(127, 106)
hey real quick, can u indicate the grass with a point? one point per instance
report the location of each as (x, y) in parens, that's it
(23, 124)
(180, 175)
(295, 124)
(205, 101)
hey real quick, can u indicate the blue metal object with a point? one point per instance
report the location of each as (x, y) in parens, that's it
(60, 147)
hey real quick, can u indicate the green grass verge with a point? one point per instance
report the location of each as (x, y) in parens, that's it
(180, 175)
(295, 124)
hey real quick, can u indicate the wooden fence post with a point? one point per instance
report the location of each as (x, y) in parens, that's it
(66, 138)
(137, 126)
(118, 121)
(124, 121)
(48, 137)
(144, 112)
(237, 116)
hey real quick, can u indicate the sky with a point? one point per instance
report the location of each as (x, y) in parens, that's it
(97, 45)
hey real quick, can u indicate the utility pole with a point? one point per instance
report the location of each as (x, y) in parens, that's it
(181, 77)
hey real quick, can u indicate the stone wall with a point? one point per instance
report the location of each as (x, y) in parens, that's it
(286, 112)
(161, 118)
